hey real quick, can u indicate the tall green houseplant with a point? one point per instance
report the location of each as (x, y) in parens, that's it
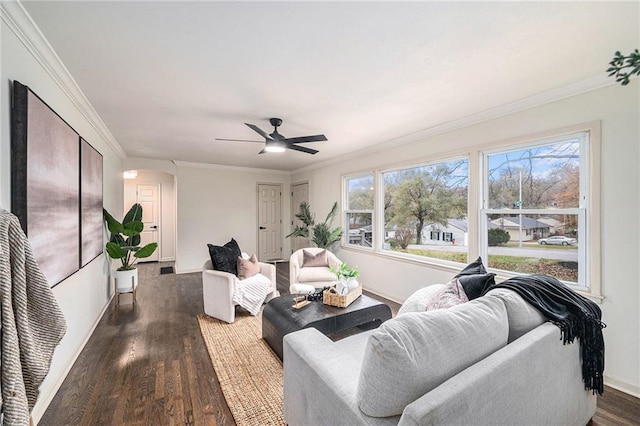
(124, 243)
(321, 234)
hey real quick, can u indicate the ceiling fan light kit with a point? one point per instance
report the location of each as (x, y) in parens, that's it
(275, 142)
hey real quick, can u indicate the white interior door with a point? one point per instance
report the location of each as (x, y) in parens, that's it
(299, 193)
(269, 222)
(148, 196)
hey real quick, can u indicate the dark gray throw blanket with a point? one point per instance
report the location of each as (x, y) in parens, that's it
(575, 315)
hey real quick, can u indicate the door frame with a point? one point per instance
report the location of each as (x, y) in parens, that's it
(281, 236)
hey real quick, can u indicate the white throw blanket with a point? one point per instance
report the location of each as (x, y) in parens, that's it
(251, 292)
(32, 322)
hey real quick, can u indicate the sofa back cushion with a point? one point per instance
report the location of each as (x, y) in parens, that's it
(414, 353)
(522, 316)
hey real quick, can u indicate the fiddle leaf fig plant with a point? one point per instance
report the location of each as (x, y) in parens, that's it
(124, 243)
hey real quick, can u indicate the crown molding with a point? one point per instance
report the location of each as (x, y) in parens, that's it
(530, 102)
(226, 168)
(18, 20)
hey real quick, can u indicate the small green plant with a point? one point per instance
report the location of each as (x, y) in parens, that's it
(124, 243)
(344, 271)
(321, 234)
(620, 63)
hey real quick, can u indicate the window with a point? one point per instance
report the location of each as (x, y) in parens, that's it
(533, 195)
(425, 210)
(359, 210)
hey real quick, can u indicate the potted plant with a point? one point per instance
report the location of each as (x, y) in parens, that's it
(346, 278)
(321, 234)
(124, 244)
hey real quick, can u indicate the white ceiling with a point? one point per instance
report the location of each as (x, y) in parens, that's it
(168, 78)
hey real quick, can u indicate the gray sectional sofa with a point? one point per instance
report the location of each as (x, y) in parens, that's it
(491, 361)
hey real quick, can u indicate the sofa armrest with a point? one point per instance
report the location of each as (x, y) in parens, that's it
(294, 270)
(269, 271)
(217, 293)
(320, 382)
(535, 379)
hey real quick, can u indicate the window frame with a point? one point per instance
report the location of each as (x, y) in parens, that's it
(346, 211)
(476, 198)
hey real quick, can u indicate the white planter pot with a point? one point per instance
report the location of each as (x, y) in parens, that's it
(126, 281)
(345, 285)
(352, 283)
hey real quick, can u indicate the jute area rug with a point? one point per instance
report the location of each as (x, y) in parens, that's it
(250, 374)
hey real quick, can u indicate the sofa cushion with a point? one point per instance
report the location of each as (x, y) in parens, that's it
(310, 260)
(248, 267)
(476, 284)
(451, 295)
(418, 301)
(474, 268)
(315, 274)
(225, 258)
(414, 353)
(522, 316)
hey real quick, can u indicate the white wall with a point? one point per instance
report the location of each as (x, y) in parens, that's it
(83, 296)
(167, 225)
(618, 109)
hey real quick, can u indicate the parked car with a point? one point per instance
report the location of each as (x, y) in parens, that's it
(558, 241)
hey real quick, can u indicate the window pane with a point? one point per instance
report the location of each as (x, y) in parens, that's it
(360, 193)
(425, 210)
(537, 177)
(534, 244)
(360, 229)
(359, 210)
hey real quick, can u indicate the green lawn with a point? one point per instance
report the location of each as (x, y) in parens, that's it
(563, 270)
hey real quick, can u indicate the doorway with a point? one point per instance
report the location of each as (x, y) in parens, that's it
(269, 222)
(299, 194)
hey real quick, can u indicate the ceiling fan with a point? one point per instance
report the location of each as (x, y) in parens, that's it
(275, 142)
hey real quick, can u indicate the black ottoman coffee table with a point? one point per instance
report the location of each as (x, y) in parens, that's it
(279, 318)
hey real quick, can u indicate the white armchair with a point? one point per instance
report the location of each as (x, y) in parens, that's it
(218, 288)
(306, 280)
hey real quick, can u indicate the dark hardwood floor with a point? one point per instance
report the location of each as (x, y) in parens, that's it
(147, 365)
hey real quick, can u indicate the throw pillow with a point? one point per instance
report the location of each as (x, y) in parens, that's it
(473, 268)
(419, 300)
(248, 268)
(317, 260)
(475, 285)
(224, 258)
(414, 353)
(451, 295)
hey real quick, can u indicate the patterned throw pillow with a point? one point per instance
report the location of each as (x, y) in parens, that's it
(451, 295)
(225, 258)
(248, 268)
(311, 260)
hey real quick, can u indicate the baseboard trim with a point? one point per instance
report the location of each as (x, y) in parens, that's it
(622, 386)
(187, 271)
(44, 400)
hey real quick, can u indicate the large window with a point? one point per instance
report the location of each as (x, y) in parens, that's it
(526, 207)
(425, 210)
(534, 215)
(359, 204)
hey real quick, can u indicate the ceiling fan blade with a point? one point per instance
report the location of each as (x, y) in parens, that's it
(301, 139)
(237, 140)
(264, 151)
(302, 149)
(259, 131)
